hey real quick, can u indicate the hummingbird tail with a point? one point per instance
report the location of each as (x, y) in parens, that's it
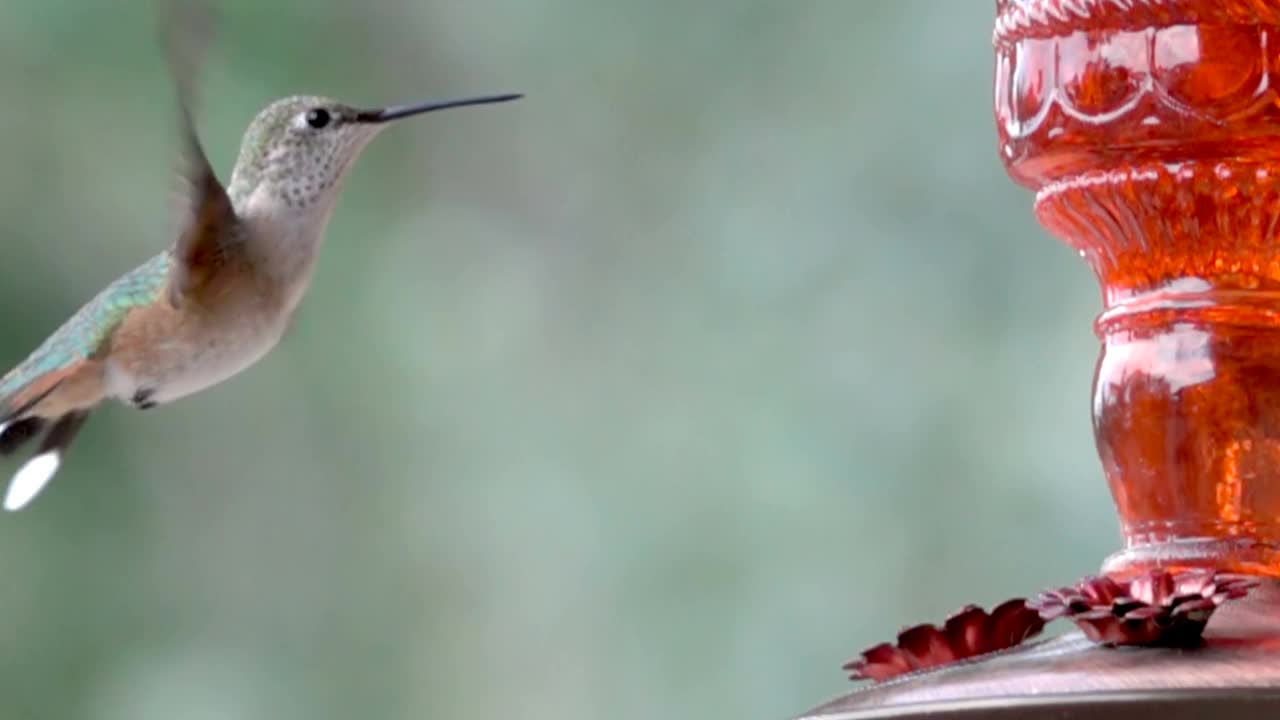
(15, 434)
(40, 469)
(30, 411)
(17, 427)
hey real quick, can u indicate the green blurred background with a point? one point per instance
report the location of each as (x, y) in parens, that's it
(658, 394)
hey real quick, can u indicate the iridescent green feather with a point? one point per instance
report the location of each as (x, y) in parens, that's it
(83, 334)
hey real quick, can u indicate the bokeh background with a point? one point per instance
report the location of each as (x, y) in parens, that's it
(658, 394)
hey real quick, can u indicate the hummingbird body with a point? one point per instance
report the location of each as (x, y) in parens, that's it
(215, 302)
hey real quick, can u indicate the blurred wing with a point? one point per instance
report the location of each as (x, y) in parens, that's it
(205, 219)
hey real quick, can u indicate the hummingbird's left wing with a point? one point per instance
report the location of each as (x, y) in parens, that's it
(206, 219)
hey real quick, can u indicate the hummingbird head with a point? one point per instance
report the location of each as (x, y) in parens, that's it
(298, 150)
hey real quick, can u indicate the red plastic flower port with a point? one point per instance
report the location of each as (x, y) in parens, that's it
(967, 633)
(1160, 608)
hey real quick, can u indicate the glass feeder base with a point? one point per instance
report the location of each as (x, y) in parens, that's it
(1235, 673)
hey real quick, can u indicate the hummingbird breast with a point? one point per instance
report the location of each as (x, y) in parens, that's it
(161, 353)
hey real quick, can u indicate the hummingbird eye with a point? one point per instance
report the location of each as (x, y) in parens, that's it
(318, 118)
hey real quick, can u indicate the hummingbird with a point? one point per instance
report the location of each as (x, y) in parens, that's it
(214, 302)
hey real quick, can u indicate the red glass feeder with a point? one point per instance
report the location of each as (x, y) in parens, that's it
(1149, 131)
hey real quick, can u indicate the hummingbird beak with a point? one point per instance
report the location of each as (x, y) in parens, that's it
(395, 112)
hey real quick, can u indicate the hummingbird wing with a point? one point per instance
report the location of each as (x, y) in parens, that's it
(206, 219)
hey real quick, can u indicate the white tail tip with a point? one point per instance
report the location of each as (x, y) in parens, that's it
(30, 480)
